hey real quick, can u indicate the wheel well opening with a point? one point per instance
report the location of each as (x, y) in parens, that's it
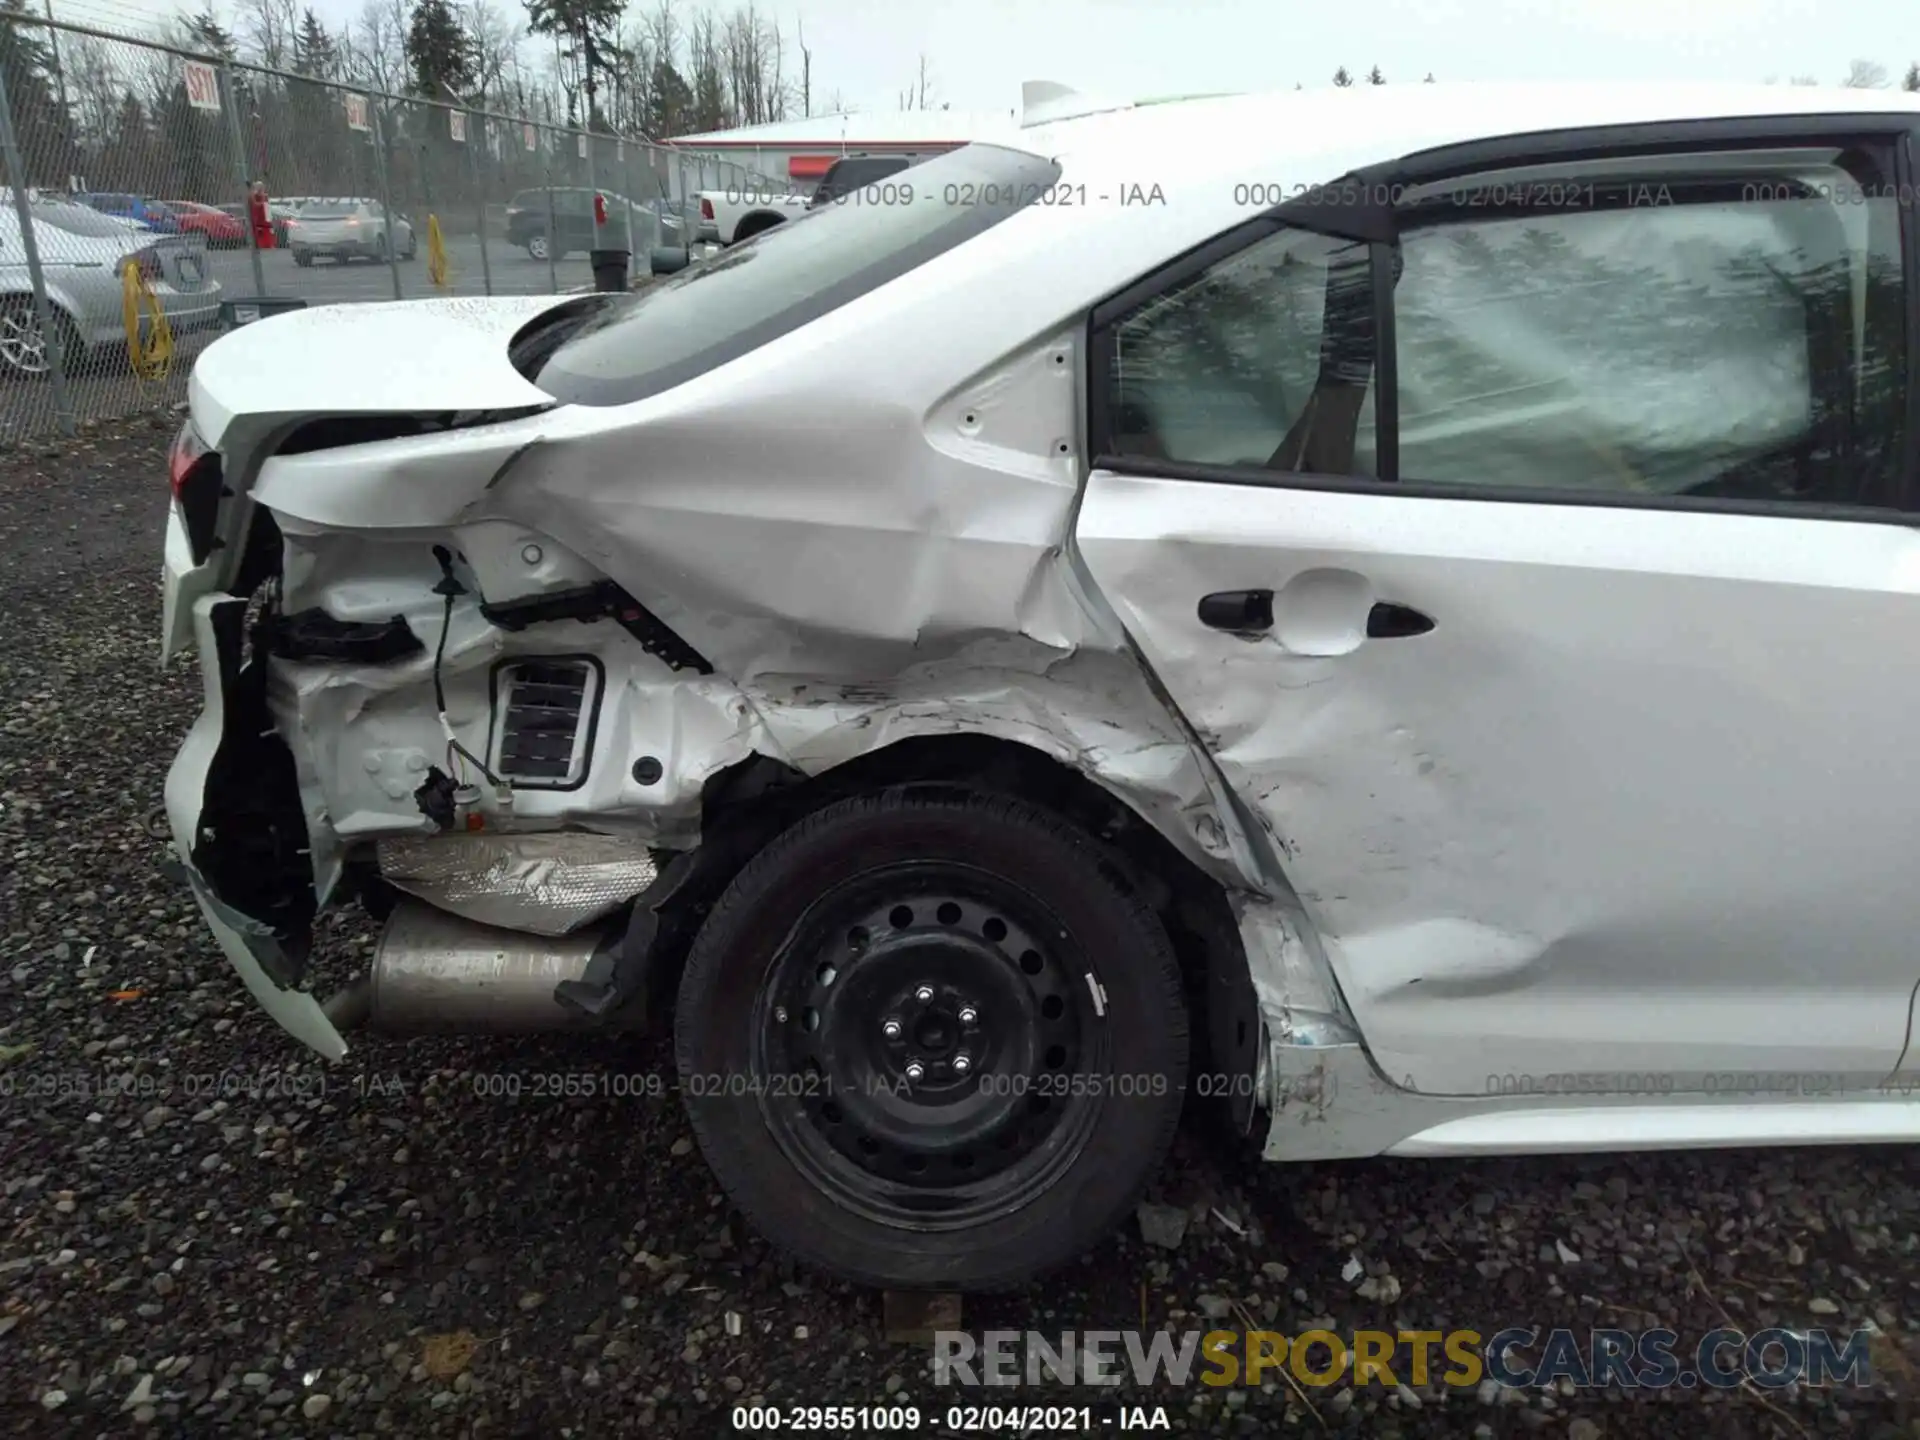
(754, 224)
(746, 805)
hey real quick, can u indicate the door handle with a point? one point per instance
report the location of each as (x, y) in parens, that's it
(1244, 612)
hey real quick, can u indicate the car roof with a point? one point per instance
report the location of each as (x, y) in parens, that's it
(1399, 119)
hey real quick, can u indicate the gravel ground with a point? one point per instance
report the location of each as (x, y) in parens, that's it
(374, 1248)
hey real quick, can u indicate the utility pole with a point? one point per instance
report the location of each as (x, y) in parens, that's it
(59, 70)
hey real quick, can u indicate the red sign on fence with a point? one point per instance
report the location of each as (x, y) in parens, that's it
(203, 85)
(532, 137)
(357, 112)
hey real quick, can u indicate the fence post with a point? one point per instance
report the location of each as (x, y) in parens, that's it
(689, 212)
(553, 224)
(475, 137)
(238, 141)
(42, 307)
(386, 198)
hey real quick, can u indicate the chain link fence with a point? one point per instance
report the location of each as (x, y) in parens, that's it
(128, 235)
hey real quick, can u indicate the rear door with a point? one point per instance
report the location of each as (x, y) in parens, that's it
(1526, 529)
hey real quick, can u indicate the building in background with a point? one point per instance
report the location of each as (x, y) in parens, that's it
(799, 151)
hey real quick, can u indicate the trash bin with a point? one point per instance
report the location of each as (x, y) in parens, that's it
(609, 269)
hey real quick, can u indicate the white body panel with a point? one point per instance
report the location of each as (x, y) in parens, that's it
(1619, 805)
(1636, 803)
(731, 207)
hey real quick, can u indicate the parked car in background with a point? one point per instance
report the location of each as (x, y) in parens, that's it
(147, 213)
(570, 211)
(221, 229)
(731, 215)
(81, 254)
(343, 230)
(279, 213)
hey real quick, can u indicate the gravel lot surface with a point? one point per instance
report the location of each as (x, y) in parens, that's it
(374, 1248)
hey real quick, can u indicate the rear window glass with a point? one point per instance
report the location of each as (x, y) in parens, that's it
(717, 310)
(79, 220)
(328, 212)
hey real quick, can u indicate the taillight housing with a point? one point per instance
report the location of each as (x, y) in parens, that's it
(706, 208)
(193, 472)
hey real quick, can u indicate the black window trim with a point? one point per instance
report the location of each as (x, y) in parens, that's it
(1374, 221)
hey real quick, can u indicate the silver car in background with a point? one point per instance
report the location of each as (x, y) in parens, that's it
(349, 230)
(82, 253)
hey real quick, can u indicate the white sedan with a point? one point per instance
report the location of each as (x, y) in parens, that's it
(1378, 608)
(82, 254)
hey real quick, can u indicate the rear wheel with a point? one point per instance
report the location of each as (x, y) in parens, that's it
(537, 247)
(303, 257)
(932, 1041)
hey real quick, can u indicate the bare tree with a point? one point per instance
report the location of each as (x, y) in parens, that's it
(806, 70)
(752, 48)
(374, 50)
(1866, 75)
(495, 41)
(269, 27)
(707, 75)
(917, 95)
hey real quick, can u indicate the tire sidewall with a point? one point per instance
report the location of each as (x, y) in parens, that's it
(1118, 939)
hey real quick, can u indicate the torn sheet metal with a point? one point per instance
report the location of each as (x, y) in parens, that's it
(1298, 994)
(548, 884)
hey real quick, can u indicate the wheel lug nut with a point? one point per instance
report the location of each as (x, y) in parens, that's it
(780, 1015)
(923, 994)
(968, 1015)
(916, 1071)
(891, 1029)
(962, 1063)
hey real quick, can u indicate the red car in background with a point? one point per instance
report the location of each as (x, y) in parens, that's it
(223, 231)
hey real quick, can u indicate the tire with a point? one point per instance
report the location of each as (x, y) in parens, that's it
(537, 247)
(380, 251)
(950, 924)
(303, 258)
(754, 225)
(22, 351)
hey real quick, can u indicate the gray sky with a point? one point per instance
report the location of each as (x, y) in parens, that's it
(979, 51)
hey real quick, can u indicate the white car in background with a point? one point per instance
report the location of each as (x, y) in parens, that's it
(82, 253)
(1390, 621)
(343, 230)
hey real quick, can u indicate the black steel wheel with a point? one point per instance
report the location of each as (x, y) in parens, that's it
(932, 1041)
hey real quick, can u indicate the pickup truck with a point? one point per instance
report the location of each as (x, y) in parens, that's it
(729, 216)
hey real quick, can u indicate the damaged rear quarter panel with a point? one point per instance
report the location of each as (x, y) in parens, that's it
(858, 568)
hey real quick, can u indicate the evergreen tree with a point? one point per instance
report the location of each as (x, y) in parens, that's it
(440, 56)
(669, 101)
(208, 36)
(314, 50)
(590, 32)
(1374, 77)
(41, 124)
(1912, 80)
(1341, 77)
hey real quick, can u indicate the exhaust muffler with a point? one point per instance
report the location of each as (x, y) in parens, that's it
(433, 971)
